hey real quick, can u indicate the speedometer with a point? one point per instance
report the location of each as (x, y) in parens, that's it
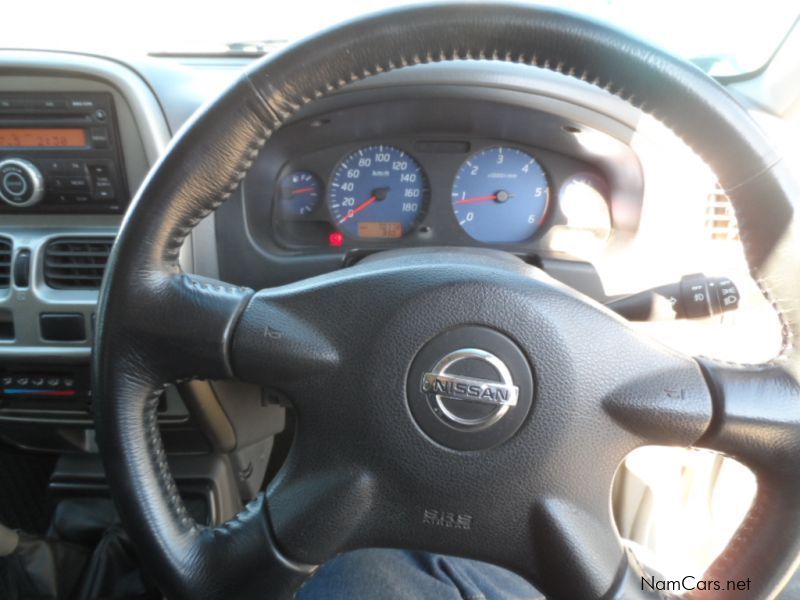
(377, 192)
(500, 195)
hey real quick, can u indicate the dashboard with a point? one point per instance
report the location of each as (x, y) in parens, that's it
(77, 136)
(420, 165)
(441, 190)
(564, 175)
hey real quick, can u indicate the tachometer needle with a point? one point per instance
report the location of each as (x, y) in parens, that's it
(477, 199)
(358, 209)
(500, 196)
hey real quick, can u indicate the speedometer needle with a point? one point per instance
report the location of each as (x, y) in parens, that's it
(355, 211)
(377, 194)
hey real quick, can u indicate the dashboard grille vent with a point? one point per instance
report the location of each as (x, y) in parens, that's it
(76, 263)
(720, 220)
(5, 262)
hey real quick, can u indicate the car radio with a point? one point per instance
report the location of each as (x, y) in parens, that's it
(60, 153)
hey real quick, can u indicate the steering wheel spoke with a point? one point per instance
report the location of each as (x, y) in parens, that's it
(579, 551)
(179, 325)
(756, 415)
(666, 403)
(757, 421)
(237, 559)
(282, 336)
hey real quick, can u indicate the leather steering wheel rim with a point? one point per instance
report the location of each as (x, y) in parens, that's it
(157, 325)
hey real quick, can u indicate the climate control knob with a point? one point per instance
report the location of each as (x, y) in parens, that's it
(21, 183)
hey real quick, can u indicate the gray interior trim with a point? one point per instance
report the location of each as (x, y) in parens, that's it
(8, 541)
(145, 135)
(146, 110)
(27, 303)
(775, 89)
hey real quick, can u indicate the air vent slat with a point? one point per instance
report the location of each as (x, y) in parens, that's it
(76, 263)
(72, 277)
(75, 266)
(102, 254)
(5, 262)
(720, 220)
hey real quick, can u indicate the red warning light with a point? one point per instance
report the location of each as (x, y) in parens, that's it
(335, 239)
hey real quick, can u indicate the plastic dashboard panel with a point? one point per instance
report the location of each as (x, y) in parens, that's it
(439, 154)
(143, 135)
(483, 106)
(26, 355)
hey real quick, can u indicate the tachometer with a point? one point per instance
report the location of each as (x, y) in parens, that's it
(500, 195)
(377, 192)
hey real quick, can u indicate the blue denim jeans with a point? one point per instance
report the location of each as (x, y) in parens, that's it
(405, 575)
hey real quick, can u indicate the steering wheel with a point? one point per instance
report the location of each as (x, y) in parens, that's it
(386, 452)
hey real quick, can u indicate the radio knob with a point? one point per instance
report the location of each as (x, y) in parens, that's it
(21, 183)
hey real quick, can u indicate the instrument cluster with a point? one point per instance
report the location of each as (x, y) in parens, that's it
(408, 192)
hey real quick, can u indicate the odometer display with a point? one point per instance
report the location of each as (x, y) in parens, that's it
(377, 192)
(368, 229)
(500, 195)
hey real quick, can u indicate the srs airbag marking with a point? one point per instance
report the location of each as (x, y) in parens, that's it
(441, 518)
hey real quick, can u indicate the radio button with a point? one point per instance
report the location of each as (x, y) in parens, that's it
(99, 171)
(6, 103)
(78, 184)
(81, 103)
(54, 167)
(99, 137)
(15, 184)
(57, 184)
(50, 104)
(21, 183)
(75, 167)
(102, 184)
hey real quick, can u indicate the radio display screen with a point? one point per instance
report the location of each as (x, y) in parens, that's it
(35, 137)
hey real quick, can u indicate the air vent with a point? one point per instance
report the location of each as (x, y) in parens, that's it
(720, 219)
(76, 263)
(5, 262)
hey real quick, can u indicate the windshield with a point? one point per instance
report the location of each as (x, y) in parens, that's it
(723, 37)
